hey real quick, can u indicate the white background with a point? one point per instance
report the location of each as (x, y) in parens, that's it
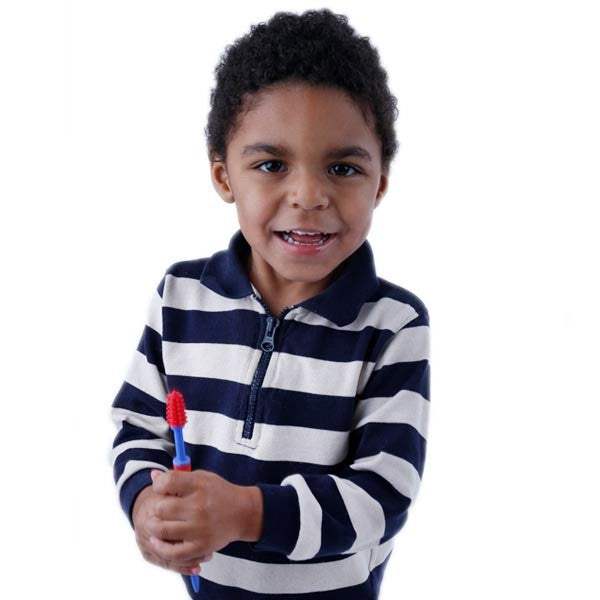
(490, 219)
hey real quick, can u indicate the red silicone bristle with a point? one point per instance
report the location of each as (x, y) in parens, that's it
(175, 409)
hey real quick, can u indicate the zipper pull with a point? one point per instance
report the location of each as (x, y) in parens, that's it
(267, 343)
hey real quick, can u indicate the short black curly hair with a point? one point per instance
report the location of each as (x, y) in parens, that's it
(318, 47)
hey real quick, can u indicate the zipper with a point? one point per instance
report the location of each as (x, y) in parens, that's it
(267, 346)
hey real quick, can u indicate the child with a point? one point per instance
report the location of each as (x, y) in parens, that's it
(305, 376)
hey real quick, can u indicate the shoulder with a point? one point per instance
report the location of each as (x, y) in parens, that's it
(180, 271)
(192, 268)
(400, 305)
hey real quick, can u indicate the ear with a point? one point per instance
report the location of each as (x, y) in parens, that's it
(220, 180)
(382, 189)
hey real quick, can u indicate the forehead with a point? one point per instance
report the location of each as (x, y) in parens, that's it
(292, 114)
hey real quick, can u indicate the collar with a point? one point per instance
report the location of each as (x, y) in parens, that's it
(340, 302)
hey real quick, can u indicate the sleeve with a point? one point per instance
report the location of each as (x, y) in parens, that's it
(365, 501)
(144, 440)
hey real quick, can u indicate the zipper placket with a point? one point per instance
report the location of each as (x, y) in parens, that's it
(267, 346)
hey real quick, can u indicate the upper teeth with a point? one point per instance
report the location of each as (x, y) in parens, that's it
(306, 232)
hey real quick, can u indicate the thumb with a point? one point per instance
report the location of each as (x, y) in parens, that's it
(154, 474)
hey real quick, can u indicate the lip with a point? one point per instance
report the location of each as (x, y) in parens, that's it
(305, 250)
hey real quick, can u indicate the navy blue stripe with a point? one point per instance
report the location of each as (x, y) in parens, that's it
(197, 326)
(131, 488)
(422, 319)
(318, 341)
(389, 380)
(399, 439)
(150, 346)
(161, 286)
(132, 398)
(275, 406)
(213, 395)
(246, 328)
(394, 528)
(303, 409)
(245, 470)
(129, 432)
(149, 454)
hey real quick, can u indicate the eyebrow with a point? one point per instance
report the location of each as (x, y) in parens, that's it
(281, 150)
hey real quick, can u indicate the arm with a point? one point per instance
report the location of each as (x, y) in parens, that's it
(366, 501)
(144, 440)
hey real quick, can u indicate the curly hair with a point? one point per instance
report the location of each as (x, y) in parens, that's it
(317, 47)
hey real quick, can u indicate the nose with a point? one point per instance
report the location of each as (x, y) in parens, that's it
(308, 190)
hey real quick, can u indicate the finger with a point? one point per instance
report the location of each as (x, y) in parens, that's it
(177, 483)
(152, 557)
(155, 473)
(188, 568)
(171, 508)
(168, 530)
(176, 552)
(191, 571)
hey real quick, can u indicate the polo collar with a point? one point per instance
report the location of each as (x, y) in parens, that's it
(340, 302)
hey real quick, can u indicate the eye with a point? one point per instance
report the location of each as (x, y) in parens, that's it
(344, 169)
(271, 166)
(269, 162)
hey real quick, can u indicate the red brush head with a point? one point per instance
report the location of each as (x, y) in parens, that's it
(175, 409)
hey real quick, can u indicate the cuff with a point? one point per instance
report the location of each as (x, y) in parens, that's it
(131, 488)
(281, 519)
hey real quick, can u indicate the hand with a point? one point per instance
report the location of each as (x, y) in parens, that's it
(144, 511)
(193, 514)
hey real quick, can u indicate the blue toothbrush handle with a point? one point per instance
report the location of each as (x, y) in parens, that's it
(182, 462)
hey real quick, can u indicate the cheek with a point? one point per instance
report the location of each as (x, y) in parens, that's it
(361, 225)
(250, 209)
(254, 216)
(358, 216)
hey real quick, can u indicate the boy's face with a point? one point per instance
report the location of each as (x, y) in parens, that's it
(296, 184)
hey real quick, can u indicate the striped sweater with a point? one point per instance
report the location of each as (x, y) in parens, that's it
(324, 407)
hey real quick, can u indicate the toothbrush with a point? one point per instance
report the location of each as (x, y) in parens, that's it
(181, 462)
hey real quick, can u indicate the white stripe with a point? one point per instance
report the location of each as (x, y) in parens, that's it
(158, 444)
(270, 578)
(186, 293)
(132, 467)
(408, 345)
(146, 377)
(366, 514)
(155, 425)
(277, 442)
(380, 553)
(405, 407)
(313, 375)
(385, 313)
(154, 319)
(233, 362)
(397, 471)
(311, 517)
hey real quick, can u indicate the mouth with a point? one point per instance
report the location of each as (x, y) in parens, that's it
(297, 239)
